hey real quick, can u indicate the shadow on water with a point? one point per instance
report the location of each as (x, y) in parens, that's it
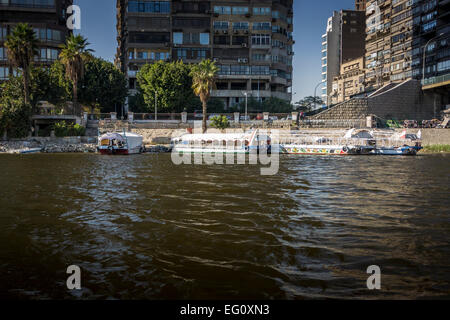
(141, 227)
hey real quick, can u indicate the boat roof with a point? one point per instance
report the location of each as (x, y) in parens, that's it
(120, 135)
(214, 136)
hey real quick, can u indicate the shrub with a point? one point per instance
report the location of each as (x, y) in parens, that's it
(63, 129)
(15, 118)
(220, 122)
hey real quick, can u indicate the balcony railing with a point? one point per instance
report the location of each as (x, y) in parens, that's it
(35, 4)
(436, 80)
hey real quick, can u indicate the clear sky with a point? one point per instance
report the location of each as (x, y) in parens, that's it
(310, 16)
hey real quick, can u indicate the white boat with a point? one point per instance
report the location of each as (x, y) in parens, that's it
(305, 144)
(28, 151)
(124, 143)
(242, 143)
(402, 144)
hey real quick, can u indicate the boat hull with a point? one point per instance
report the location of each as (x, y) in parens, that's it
(118, 152)
(337, 150)
(402, 151)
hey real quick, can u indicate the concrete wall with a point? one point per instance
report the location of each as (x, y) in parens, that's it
(403, 102)
(162, 136)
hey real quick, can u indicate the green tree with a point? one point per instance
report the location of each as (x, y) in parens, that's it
(74, 55)
(136, 102)
(15, 117)
(253, 105)
(103, 86)
(215, 105)
(21, 47)
(203, 81)
(46, 84)
(276, 105)
(307, 103)
(167, 82)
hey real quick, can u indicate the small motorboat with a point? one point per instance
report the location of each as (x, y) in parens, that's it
(28, 151)
(124, 143)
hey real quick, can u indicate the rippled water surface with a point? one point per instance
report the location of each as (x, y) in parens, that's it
(142, 228)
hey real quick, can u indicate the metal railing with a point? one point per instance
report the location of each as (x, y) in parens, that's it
(435, 80)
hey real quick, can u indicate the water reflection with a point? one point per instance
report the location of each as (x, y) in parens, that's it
(140, 227)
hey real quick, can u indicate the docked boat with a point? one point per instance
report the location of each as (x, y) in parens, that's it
(350, 144)
(399, 145)
(238, 143)
(398, 151)
(123, 143)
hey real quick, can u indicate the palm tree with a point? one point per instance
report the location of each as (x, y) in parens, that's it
(21, 47)
(203, 81)
(74, 55)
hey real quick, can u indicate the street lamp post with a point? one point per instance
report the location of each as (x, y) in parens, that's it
(246, 104)
(424, 56)
(156, 105)
(315, 94)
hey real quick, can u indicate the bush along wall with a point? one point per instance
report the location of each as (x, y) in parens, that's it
(64, 129)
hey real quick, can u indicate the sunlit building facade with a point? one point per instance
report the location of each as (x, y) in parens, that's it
(250, 41)
(48, 19)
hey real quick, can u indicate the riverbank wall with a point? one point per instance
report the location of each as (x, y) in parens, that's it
(51, 145)
(430, 137)
(156, 137)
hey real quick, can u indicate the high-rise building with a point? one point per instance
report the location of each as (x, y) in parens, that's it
(343, 42)
(398, 32)
(48, 19)
(251, 42)
(360, 5)
(350, 81)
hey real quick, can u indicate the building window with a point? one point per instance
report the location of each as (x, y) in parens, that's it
(265, 11)
(204, 38)
(178, 38)
(262, 26)
(4, 73)
(222, 9)
(260, 39)
(221, 25)
(149, 6)
(240, 25)
(240, 10)
(3, 55)
(443, 66)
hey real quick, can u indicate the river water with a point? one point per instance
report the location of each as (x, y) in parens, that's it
(141, 227)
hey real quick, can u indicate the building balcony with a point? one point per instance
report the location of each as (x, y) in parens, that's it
(435, 82)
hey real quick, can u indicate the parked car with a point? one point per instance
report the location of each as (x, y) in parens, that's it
(245, 118)
(198, 114)
(260, 116)
(213, 115)
(273, 118)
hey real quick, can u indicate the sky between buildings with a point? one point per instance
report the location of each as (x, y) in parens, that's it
(310, 16)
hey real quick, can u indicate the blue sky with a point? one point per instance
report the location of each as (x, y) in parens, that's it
(310, 16)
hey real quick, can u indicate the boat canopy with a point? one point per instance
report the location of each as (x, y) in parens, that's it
(213, 137)
(132, 139)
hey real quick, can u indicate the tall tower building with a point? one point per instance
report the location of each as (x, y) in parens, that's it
(48, 19)
(343, 42)
(400, 34)
(251, 42)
